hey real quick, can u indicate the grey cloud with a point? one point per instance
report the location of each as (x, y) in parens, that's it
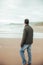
(15, 9)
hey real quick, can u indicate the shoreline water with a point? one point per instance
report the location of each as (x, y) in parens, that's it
(16, 30)
(19, 35)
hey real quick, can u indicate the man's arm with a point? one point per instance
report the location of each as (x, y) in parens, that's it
(24, 37)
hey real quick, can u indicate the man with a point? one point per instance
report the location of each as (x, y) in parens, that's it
(26, 43)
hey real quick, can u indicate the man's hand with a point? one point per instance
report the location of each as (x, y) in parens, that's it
(21, 45)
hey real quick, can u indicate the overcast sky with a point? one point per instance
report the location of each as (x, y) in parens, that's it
(17, 10)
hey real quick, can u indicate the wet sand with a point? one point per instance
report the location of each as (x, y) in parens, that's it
(10, 47)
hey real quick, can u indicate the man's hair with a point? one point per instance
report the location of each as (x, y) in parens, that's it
(26, 21)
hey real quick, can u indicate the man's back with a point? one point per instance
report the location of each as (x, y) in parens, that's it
(29, 38)
(27, 35)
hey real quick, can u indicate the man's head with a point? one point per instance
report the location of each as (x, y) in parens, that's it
(26, 21)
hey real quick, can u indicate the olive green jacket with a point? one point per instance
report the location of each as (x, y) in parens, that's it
(27, 35)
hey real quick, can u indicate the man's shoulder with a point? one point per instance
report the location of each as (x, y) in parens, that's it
(30, 27)
(26, 27)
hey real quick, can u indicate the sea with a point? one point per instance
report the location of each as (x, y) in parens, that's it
(15, 31)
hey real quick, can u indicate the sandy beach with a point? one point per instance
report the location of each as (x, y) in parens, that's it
(10, 47)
